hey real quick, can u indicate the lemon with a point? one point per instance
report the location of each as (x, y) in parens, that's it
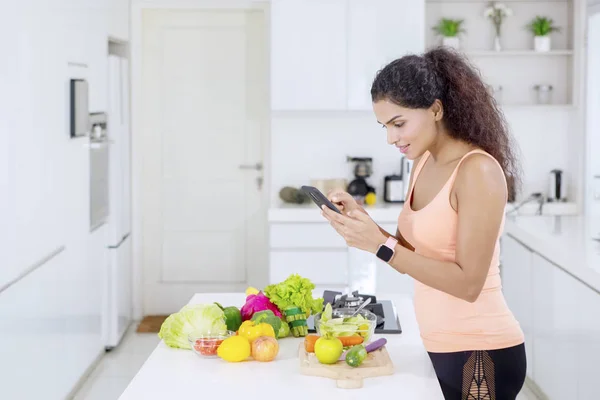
(370, 199)
(234, 349)
(251, 290)
(364, 330)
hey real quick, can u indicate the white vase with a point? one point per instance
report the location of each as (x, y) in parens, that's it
(451, 41)
(497, 44)
(541, 43)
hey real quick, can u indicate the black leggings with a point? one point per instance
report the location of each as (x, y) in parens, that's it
(482, 374)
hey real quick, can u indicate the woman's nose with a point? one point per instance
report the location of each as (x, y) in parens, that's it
(391, 139)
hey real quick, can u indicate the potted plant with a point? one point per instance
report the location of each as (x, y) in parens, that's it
(497, 12)
(449, 29)
(542, 27)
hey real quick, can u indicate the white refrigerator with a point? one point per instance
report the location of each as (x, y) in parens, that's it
(118, 287)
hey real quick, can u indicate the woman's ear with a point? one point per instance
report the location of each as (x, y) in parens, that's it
(437, 110)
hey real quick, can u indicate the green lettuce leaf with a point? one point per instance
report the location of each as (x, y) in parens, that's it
(203, 318)
(295, 291)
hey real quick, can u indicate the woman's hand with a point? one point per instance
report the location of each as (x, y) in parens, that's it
(357, 229)
(344, 201)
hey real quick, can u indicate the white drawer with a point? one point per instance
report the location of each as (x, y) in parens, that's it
(321, 267)
(305, 235)
(390, 281)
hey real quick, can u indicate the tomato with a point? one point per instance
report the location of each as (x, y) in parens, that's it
(207, 347)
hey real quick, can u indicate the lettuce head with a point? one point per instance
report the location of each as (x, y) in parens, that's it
(202, 318)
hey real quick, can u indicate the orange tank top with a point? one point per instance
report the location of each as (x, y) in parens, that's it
(447, 323)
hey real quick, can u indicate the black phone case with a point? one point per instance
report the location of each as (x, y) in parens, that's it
(319, 198)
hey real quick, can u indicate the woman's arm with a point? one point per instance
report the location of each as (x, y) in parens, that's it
(398, 235)
(480, 192)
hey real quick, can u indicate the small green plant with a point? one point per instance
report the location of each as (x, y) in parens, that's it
(449, 27)
(542, 26)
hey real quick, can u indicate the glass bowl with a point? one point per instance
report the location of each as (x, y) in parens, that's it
(205, 344)
(363, 324)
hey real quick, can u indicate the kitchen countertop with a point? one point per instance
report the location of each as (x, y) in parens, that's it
(564, 240)
(181, 374)
(383, 213)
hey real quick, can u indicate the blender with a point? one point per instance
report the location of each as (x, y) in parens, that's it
(359, 187)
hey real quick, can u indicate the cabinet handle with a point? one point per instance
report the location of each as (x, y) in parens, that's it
(33, 267)
(258, 166)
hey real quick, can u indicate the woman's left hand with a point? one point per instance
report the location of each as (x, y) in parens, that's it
(357, 229)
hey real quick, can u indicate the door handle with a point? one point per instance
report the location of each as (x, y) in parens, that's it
(258, 166)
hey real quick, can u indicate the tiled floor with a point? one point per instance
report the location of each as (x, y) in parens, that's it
(114, 372)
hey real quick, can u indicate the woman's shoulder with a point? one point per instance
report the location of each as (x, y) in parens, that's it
(480, 171)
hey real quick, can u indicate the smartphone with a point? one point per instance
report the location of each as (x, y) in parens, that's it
(319, 198)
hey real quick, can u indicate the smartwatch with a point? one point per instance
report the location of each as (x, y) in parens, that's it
(386, 251)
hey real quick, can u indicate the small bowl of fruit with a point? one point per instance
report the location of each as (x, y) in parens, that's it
(206, 343)
(342, 323)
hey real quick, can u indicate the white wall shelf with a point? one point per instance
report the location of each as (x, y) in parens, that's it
(518, 53)
(565, 106)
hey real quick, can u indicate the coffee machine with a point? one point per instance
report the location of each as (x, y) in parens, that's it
(396, 186)
(359, 187)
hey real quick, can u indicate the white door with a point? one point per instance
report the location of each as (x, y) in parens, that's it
(204, 110)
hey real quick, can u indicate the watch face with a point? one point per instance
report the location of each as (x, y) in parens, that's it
(385, 253)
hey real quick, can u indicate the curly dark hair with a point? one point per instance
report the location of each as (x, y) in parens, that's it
(470, 111)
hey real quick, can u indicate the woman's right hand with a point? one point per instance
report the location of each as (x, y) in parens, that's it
(344, 201)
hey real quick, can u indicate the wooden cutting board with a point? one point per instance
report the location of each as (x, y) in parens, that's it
(377, 363)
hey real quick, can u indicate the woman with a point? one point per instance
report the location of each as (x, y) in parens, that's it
(438, 112)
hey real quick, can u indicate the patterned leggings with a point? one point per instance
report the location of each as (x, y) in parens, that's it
(482, 374)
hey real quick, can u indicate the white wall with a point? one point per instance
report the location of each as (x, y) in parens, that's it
(543, 134)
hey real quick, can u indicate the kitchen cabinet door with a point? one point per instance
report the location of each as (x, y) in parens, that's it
(588, 343)
(118, 19)
(323, 267)
(380, 31)
(308, 54)
(517, 286)
(47, 338)
(390, 281)
(556, 317)
(36, 120)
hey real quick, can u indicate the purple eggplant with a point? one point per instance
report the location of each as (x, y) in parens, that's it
(376, 345)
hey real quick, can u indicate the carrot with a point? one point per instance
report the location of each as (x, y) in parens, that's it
(309, 343)
(351, 340)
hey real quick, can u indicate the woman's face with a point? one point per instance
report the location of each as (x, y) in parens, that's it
(412, 131)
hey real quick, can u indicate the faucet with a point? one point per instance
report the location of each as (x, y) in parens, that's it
(540, 200)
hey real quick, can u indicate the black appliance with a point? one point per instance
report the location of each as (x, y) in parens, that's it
(557, 186)
(387, 317)
(396, 186)
(359, 187)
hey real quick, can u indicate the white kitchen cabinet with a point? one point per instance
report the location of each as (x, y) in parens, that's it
(588, 342)
(322, 267)
(309, 235)
(49, 331)
(308, 54)
(33, 96)
(325, 53)
(118, 19)
(316, 251)
(556, 316)
(388, 279)
(517, 286)
(380, 31)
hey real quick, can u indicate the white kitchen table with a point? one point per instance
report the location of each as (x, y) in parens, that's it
(181, 374)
